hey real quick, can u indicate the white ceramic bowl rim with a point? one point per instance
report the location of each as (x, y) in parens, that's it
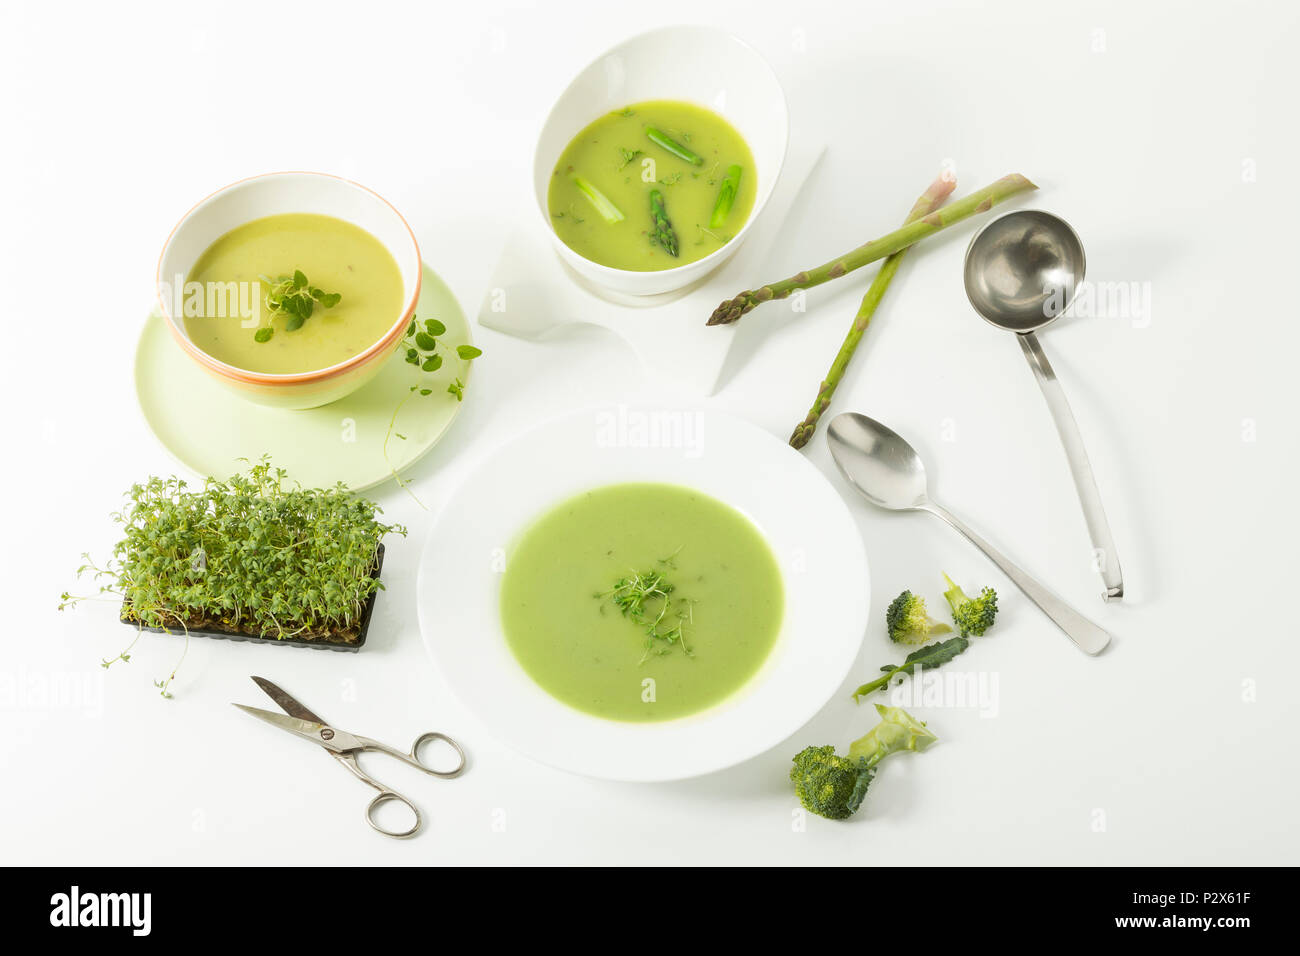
(805, 521)
(699, 266)
(270, 378)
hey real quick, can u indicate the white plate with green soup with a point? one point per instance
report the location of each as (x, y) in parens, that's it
(644, 595)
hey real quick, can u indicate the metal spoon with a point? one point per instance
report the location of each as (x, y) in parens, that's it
(1021, 272)
(890, 474)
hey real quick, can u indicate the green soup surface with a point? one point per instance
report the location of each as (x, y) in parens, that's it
(336, 256)
(563, 623)
(617, 156)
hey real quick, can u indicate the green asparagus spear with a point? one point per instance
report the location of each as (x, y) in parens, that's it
(899, 239)
(726, 197)
(608, 211)
(930, 200)
(663, 232)
(674, 147)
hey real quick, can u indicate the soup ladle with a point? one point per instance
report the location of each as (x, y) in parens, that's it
(1021, 272)
(890, 474)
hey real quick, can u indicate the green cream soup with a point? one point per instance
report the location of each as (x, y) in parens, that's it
(642, 602)
(653, 186)
(336, 256)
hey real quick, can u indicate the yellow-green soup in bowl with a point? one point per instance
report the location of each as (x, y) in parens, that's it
(353, 283)
(642, 602)
(653, 186)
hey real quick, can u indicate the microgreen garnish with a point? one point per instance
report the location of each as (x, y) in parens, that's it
(424, 351)
(249, 554)
(628, 156)
(295, 298)
(421, 344)
(645, 598)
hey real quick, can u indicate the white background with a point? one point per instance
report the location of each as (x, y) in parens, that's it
(1164, 132)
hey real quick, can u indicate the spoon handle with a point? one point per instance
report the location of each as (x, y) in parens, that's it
(1084, 482)
(1087, 636)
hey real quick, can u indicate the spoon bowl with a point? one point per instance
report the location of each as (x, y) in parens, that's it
(1021, 272)
(887, 470)
(878, 462)
(1023, 269)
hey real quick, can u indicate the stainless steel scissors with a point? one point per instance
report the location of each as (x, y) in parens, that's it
(344, 747)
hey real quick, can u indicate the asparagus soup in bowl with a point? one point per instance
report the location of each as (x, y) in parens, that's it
(673, 593)
(707, 112)
(292, 289)
(652, 186)
(642, 601)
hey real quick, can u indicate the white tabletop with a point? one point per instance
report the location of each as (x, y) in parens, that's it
(1165, 136)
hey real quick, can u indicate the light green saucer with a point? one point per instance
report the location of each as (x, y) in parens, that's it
(208, 428)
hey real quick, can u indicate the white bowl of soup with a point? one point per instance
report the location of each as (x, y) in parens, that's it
(293, 288)
(659, 158)
(677, 592)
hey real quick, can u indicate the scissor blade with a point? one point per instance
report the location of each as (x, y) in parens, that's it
(285, 701)
(306, 729)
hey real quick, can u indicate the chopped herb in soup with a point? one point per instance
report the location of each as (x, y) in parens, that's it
(642, 602)
(653, 186)
(325, 290)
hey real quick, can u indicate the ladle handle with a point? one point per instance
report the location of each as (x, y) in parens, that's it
(1085, 484)
(1089, 638)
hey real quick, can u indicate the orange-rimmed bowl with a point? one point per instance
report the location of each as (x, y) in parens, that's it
(274, 194)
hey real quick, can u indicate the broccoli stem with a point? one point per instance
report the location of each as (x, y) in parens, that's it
(608, 211)
(980, 201)
(930, 200)
(897, 731)
(726, 197)
(674, 147)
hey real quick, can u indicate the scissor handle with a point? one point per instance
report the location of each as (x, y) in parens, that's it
(349, 760)
(388, 796)
(423, 739)
(413, 757)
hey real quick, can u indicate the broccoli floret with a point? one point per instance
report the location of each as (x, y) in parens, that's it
(833, 786)
(909, 622)
(971, 615)
(829, 785)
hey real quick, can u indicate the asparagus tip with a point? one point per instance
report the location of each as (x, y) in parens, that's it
(941, 188)
(724, 314)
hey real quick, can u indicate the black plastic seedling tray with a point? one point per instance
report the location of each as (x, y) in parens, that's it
(319, 644)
